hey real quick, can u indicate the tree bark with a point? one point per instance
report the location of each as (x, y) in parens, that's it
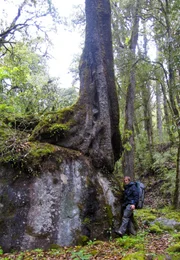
(95, 131)
(159, 114)
(128, 141)
(173, 93)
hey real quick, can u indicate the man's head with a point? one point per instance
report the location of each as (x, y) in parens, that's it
(127, 180)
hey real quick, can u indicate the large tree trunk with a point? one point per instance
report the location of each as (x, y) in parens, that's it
(94, 122)
(97, 86)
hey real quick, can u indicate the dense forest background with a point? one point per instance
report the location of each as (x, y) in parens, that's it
(146, 61)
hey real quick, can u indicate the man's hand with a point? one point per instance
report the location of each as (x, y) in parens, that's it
(132, 207)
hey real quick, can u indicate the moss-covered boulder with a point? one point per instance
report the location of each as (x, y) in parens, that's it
(56, 197)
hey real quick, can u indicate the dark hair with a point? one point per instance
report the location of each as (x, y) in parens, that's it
(128, 177)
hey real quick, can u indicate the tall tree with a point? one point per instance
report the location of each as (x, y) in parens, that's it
(94, 121)
(128, 156)
(165, 21)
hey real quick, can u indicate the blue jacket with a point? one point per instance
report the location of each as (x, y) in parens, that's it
(131, 194)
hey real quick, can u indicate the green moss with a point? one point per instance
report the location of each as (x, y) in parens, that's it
(146, 214)
(164, 227)
(171, 214)
(82, 240)
(134, 256)
(93, 252)
(39, 150)
(131, 242)
(59, 128)
(174, 248)
(54, 123)
(86, 221)
(155, 229)
(54, 246)
(109, 214)
(176, 236)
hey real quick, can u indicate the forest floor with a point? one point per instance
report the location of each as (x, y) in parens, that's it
(152, 242)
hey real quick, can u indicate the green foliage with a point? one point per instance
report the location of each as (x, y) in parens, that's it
(174, 248)
(1, 251)
(146, 214)
(155, 229)
(135, 256)
(170, 213)
(39, 150)
(176, 236)
(165, 168)
(55, 122)
(81, 255)
(131, 242)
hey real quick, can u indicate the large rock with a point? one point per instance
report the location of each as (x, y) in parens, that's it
(66, 203)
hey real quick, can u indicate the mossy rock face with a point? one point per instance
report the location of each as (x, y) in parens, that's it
(65, 203)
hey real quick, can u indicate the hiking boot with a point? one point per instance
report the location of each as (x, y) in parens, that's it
(119, 233)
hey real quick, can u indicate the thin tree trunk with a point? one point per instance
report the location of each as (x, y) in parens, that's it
(128, 140)
(167, 105)
(159, 114)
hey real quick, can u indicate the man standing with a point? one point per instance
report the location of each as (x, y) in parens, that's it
(131, 197)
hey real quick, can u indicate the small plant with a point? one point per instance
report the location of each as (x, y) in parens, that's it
(91, 242)
(1, 251)
(80, 255)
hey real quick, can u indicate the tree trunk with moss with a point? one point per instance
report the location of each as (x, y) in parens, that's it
(128, 140)
(93, 124)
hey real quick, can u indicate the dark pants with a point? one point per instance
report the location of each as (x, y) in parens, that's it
(127, 223)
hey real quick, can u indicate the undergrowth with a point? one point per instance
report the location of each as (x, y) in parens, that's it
(151, 242)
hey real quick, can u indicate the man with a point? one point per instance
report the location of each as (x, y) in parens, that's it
(131, 197)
